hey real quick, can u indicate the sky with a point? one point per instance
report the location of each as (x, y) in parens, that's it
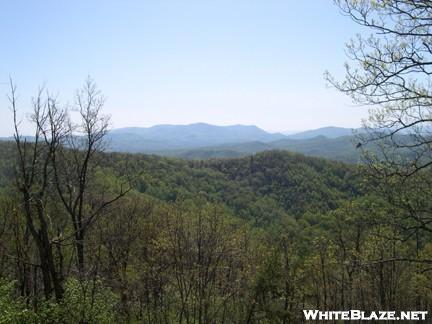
(222, 62)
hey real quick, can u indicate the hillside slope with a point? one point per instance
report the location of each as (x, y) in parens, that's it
(261, 188)
(339, 149)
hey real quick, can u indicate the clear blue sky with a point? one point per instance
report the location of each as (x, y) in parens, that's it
(222, 62)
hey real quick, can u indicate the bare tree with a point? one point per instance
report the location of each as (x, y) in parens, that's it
(58, 164)
(33, 180)
(75, 162)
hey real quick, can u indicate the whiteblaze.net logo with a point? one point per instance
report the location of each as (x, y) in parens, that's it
(317, 315)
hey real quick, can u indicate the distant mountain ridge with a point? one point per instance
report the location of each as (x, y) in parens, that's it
(205, 141)
(329, 132)
(170, 137)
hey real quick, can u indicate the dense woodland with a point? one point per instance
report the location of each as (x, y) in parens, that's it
(94, 237)
(249, 240)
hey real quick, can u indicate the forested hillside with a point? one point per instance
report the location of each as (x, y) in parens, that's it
(253, 239)
(338, 149)
(277, 181)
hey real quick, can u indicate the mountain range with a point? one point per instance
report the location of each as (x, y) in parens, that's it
(204, 141)
(169, 137)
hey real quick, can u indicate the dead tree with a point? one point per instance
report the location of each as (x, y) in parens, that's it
(74, 166)
(56, 167)
(33, 180)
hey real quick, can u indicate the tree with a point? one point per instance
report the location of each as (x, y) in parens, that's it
(391, 71)
(75, 161)
(55, 172)
(33, 180)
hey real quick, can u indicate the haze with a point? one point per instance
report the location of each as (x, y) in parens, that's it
(181, 62)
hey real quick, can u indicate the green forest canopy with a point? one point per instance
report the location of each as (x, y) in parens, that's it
(253, 239)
